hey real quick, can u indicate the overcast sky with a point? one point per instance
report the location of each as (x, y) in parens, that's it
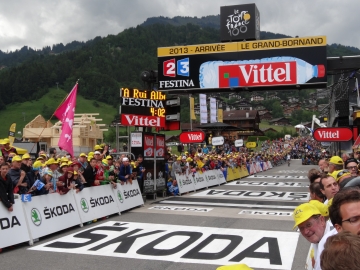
(37, 23)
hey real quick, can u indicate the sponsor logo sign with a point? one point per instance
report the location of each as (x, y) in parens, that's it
(250, 145)
(268, 184)
(192, 137)
(84, 205)
(217, 140)
(278, 176)
(160, 146)
(239, 143)
(259, 64)
(148, 146)
(142, 120)
(185, 244)
(262, 195)
(265, 213)
(36, 217)
(336, 134)
(182, 209)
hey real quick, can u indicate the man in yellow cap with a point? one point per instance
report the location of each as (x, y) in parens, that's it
(7, 149)
(83, 162)
(335, 164)
(18, 177)
(311, 224)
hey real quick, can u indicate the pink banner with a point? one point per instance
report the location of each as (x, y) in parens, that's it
(65, 113)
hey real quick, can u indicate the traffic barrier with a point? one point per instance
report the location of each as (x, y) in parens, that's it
(200, 180)
(13, 228)
(212, 179)
(231, 174)
(269, 164)
(185, 183)
(47, 214)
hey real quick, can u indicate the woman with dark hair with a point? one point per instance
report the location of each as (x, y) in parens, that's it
(66, 181)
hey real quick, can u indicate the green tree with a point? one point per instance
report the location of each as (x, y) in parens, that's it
(277, 110)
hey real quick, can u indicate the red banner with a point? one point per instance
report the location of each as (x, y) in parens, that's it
(148, 146)
(336, 134)
(142, 120)
(192, 137)
(160, 146)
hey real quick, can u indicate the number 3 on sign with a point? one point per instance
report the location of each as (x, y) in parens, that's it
(183, 67)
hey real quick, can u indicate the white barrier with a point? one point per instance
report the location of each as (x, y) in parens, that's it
(269, 165)
(128, 196)
(51, 213)
(220, 176)
(13, 228)
(185, 183)
(200, 180)
(212, 179)
(96, 202)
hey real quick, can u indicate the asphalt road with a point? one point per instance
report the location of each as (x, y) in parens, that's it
(246, 221)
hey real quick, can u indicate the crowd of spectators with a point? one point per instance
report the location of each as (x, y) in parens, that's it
(330, 221)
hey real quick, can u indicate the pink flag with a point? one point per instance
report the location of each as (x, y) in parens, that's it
(65, 113)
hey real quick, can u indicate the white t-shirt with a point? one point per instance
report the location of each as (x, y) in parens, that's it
(320, 246)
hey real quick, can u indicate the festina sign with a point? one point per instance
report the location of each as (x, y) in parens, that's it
(142, 120)
(192, 137)
(333, 134)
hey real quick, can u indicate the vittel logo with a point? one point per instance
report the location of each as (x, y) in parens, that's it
(149, 141)
(194, 137)
(101, 201)
(160, 142)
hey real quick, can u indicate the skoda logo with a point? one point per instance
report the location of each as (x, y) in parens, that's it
(84, 205)
(36, 217)
(120, 197)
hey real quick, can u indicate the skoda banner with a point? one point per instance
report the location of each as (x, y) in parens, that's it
(290, 63)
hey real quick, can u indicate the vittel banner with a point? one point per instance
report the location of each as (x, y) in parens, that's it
(261, 64)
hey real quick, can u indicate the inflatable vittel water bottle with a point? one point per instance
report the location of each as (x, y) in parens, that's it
(283, 70)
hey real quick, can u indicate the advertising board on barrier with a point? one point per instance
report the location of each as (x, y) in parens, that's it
(185, 183)
(185, 244)
(269, 184)
(13, 229)
(51, 213)
(96, 202)
(211, 178)
(128, 196)
(199, 180)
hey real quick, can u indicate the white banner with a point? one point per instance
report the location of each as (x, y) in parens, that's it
(185, 183)
(128, 196)
(13, 229)
(213, 110)
(239, 143)
(203, 109)
(51, 213)
(96, 202)
(199, 180)
(217, 140)
(220, 176)
(211, 178)
(183, 244)
(136, 139)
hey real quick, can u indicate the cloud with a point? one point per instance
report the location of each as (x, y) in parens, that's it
(39, 23)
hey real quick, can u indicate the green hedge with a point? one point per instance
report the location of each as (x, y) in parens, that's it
(255, 138)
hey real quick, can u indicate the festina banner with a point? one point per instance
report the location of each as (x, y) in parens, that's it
(291, 63)
(213, 110)
(203, 109)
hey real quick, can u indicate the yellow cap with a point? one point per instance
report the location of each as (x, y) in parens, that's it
(91, 154)
(37, 164)
(2, 142)
(26, 156)
(16, 158)
(51, 161)
(64, 164)
(43, 155)
(179, 158)
(97, 147)
(75, 173)
(234, 267)
(189, 159)
(336, 160)
(70, 163)
(338, 174)
(105, 162)
(109, 157)
(83, 155)
(6, 141)
(303, 212)
(324, 209)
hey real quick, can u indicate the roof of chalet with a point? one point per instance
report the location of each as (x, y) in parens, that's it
(277, 119)
(239, 114)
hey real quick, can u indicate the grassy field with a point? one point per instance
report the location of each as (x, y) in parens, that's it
(23, 113)
(265, 124)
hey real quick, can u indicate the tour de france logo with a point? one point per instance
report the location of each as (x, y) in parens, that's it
(36, 217)
(236, 23)
(120, 197)
(84, 205)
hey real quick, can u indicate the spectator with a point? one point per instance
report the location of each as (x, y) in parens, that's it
(7, 149)
(90, 174)
(176, 168)
(6, 188)
(329, 187)
(173, 188)
(83, 162)
(125, 174)
(52, 153)
(110, 163)
(352, 165)
(97, 155)
(341, 175)
(341, 251)
(140, 171)
(18, 177)
(70, 181)
(315, 192)
(52, 166)
(125, 148)
(336, 164)
(313, 175)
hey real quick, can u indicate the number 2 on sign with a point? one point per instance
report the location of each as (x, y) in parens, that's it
(169, 67)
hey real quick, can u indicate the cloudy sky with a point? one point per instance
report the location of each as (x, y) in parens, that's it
(37, 23)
